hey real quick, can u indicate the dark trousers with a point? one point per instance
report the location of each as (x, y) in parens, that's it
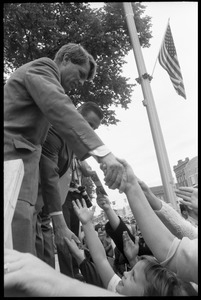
(23, 227)
(68, 265)
(44, 239)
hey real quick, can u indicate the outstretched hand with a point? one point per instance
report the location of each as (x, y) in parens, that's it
(189, 196)
(77, 252)
(103, 201)
(131, 249)
(83, 213)
(26, 276)
(62, 232)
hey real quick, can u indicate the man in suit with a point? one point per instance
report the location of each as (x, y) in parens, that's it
(35, 97)
(59, 167)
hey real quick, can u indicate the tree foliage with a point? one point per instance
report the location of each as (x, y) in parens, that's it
(33, 30)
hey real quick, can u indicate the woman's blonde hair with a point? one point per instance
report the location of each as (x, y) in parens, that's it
(163, 282)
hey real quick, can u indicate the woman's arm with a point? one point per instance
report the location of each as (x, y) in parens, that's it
(94, 244)
(86, 266)
(155, 202)
(157, 236)
(131, 248)
(169, 216)
(104, 203)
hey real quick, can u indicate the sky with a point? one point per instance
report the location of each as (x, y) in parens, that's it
(132, 139)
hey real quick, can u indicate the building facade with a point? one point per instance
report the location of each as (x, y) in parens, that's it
(179, 172)
(187, 172)
(191, 172)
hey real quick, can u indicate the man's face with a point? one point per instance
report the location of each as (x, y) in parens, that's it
(72, 74)
(93, 120)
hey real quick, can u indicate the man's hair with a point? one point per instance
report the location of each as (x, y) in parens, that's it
(77, 55)
(85, 108)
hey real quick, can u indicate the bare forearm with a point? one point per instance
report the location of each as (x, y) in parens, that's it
(61, 229)
(154, 201)
(58, 222)
(156, 235)
(94, 244)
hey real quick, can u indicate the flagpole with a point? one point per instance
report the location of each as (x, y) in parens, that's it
(164, 166)
(160, 48)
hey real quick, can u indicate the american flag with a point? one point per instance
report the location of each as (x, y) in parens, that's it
(168, 59)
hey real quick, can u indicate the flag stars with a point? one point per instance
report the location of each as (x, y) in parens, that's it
(169, 43)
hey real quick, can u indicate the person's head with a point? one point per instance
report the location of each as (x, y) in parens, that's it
(149, 278)
(92, 114)
(76, 65)
(184, 210)
(101, 235)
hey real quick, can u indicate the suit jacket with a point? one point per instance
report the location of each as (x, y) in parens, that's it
(55, 171)
(34, 99)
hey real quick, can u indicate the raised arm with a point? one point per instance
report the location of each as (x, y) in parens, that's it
(156, 235)
(86, 266)
(131, 249)
(169, 216)
(104, 203)
(180, 256)
(155, 202)
(116, 226)
(95, 246)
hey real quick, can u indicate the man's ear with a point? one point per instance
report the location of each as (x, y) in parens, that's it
(65, 59)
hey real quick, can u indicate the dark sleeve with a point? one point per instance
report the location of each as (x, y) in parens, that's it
(116, 235)
(49, 172)
(90, 273)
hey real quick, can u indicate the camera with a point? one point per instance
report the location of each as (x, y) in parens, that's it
(84, 195)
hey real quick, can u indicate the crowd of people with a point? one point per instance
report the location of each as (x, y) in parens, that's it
(159, 257)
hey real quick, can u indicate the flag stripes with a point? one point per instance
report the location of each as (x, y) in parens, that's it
(168, 60)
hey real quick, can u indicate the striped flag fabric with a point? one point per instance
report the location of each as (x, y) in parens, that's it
(168, 60)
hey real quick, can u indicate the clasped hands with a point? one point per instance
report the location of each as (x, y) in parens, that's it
(114, 172)
(118, 173)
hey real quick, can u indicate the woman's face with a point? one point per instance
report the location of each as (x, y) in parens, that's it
(133, 282)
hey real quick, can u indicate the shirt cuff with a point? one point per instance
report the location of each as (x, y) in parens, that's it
(56, 213)
(100, 151)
